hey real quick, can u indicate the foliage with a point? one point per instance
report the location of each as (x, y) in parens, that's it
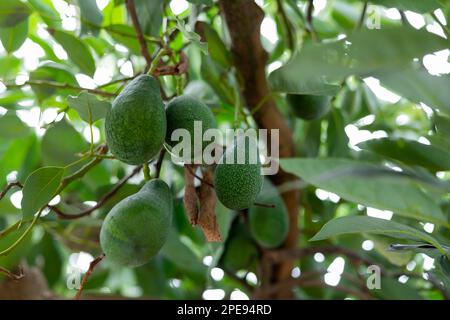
(374, 170)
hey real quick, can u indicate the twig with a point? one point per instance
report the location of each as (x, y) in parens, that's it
(309, 20)
(140, 37)
(92, 266)
(290, 36)
(264, 205)
(100, 203)
(53, 84)
(443, 26)
(197, 177)
(12, 275)
(362, 18)
(159, 163)
(8, 187)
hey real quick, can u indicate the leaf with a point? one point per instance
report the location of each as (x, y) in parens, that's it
(11, 127)
(386, 189)
(216, 48)
(88, 106)
(283, 82)
(13, 37)
(191, 36)
(39, 189)
(365, 224)
(337, 140)
(150, 14)
(413, 5)
(50, 71)
(47, 12)
(9, 67)
(190, 198)
(205, 2)
(362, 53)
(410, 152)
(419, 86)
(125, 35)
(60, 145)
(77, 51)
(91, 17)
(13, 12)
(442, 124)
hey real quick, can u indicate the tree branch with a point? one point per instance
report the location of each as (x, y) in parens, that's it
(100, 203)
(140, 36)
(8, 187)
(11, 275)
(53, 84)
(243, 18)
(92, 266)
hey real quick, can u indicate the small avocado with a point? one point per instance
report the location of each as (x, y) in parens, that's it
(181, 113)
(135, 126)
(237, 184)
(269, 226)
(137, 227)
(307, 106)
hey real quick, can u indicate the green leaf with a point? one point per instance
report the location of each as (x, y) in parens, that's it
(410, 152)
(47, 12)
(216, 48)
(77, 51)
(11, 127)
(9, 66)
(150, 14)
(91, 17)
(362, 53)
(283, 81)
(191, 36)
(89, 107)
(13, 12)
(442, 124)
(420, 6)
(60, 145)
(50, 71)
(13, 37)
(364, 224)
(369, 185)
(337, 140)
(39, 189)
(419, 86)
(125, 35)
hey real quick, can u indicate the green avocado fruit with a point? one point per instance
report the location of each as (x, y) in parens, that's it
(135, 126)
(269, 226)
(138, 226)
(181, 113)
(240, 252)
(237, 184)
(307, 106)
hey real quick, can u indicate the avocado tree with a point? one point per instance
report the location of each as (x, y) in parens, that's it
(354, 96)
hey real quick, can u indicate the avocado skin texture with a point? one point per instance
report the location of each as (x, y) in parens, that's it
(237, 185)
(135, 126)
(138, 226)
(307, 106)
(181, 113)
(269, 226)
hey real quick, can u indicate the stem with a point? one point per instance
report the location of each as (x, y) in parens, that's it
(8, 187)
(140, 36)
(155, 61)
(92, 266)
(146, 172)
(362, 18)
(52, 84)
(309, 20)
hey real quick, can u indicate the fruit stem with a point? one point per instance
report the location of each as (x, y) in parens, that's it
(155, 61)
(146, 171)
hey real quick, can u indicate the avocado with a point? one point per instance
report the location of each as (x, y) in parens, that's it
(269, 226)
(181, 113)
(240, 252)
(307, 106)
(137, 227)
(135, 126)
(237, 184)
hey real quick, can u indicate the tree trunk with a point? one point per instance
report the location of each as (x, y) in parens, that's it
(243, 18)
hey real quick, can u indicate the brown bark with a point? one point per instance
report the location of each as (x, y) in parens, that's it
(243, 18)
